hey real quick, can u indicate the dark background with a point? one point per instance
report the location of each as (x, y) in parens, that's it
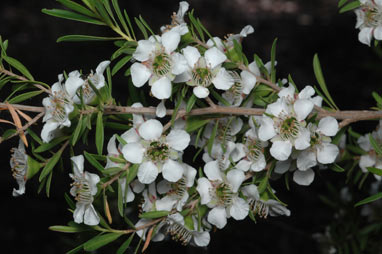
(352, 71)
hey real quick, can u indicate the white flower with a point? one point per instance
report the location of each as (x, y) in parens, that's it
(202, 71)
(244, 83)
(286, 128)
(177, 23)
(97, 79)
(156, 153)
(19, 166)
(84, 188)
(228, 43)
(371, 159)
(158, 63)
(262, 207)
(369, 21)
(58, 106)
(177, 193)
(220, 192)
(321, 150)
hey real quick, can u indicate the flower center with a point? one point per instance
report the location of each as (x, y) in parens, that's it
(161, 64)
(157, 151)
(18, 164)
(315, 139)
(178, 232)
(60, 101)
(259, 208)
(179, 188)
(202, 76)
(254, 149)
(289, 128)
(83, 192)
(373, 16)
(224, 194)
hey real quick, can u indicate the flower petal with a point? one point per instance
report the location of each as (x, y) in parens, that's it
(151, 129)
(212, 171)
(179, 63)
(251, 192)
(78, 214)
(131, 136)
(203, 188)
(139, 74)
(147, 172)
(248, 81)
(304, 178)
(259, 164)
(327, 153)
(328, 126)
(165, 204)
(214, 57)
(91, 217)
(201, 92)
(144, 49)
(243, 165)
(133, 152)
(161, 89)
(172, 171)
(266, 130)
(235, 177)
(178, 139)
(306, 159)
(78, 164)
(378, 33)
(160, 110)
(282, 166)
(170, 41)
(239, 209)
(202, 239)
(102, 67)
(306, 93)
(192, 55)
(223, 80)
(302, 107)
(218, 217)
(365, 35)
(303, 140)
(48, 131)
(281, 150)
(189, 173)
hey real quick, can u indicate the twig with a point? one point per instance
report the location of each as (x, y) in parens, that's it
(210, 102)
(116, 176)
(9, 73)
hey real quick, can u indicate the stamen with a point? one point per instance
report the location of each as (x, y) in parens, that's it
(161, 64)
(178, 232)
(289, 128)
(223, 194)
(157, 151)
(83, 192)
(259, 208)
(254, 148)
(201, 76)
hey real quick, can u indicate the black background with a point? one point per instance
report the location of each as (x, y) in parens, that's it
(352, 70)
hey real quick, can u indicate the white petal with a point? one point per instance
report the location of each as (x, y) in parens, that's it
(163, 187)
(248, 81)
(172, 171)
(302, 107)
(112, 147)
(306, 93)
(259, 164)
(102, 67)
(201, 92)
(144, 49)
(202, 239)
(179, 63)
(365, 35)
(276, 208)
(139, 74)
(165, 204)
(91, 217)
(327, 153)
(277, 108)
(131, 136)
(214, 57)
(303, 177)
(251, 192)
(282, 166)
(238, 153)
(78, 214)
(287, 92)
(218, 42)
(378, 33)
(161, 110)
(248, 29)
(189, 173)
(218, 217)
(243, 165)
(366, 161)
(72, 84)
(239, 209)
(223, 80)
(235, 177)
(266, 130)
(48, 131)
(328, 126)
(281, 150)
(203, 188)
(303, 140)
(133, 152)
(138, 187)
(147, 172)
(306, 159)
(78, 164)
(192, 55)
(254, 68)
(317, 101)
(364, 143)
(151, 129)
(170, 41)
(161, 89)
(178, 139)
(212, 171)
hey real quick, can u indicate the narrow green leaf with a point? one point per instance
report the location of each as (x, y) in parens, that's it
(117, 126)
(100, 240)
(350, 6)
(125, 245)
(47, 146)
(68, 229)
(132, 173)
(81, 37)
(22, 97)
(129, 23)
(220, 98)
(377, 98)
(19, 66)
(91, 159)
(120, 199)
(320, 79)
(369, 199)
(72, 16)
(50, 165)
(263, 184)
(146, 25)
(176, 109)
(142, 28)
(34, 136)
(77, 7)
(76, 132)
(190, 103)
(376, 146)
(76, 249)
(120, 17)
(193, 123)
(48, 182)
(335, 167)
(273, 61)
(154, 214)
(103, 13)
(212, 138)
(120, 64)
(341, 2)
(99, 139)
(196, 25)
(376, 171)
(69, 201)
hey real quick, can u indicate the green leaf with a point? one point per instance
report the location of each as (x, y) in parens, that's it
(376, 146)
(91, 159)
(154, 214)
(76, 132)
(99, 139)
(190, 103)
(335, 167)
(376, 171)
(76, 249)
(350, 6)
(132, 173)
(120, 16)
(19, 66)
(34, 136)
(321, 80)
(103, 12)
(125, 245)
(146, 25)
(120, 64)
(77, 7)
(48, 182)
(212, 138)
(24, 96)
(341, 2)
(117, 126)
(72, 16)
(81, 37)
(50, 165)
(273, 61)
(142, 28)
(69, 200)
(47, 146)
(120, 199)
(220, 98)
(100, 240)
(68, 229)
(195, 122)
(369, 199)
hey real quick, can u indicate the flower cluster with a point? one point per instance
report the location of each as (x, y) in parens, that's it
(369, 21)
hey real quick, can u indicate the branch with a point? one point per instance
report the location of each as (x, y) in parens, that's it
(11, 74)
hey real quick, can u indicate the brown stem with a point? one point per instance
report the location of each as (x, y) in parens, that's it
(11, 74)
(116, 176)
